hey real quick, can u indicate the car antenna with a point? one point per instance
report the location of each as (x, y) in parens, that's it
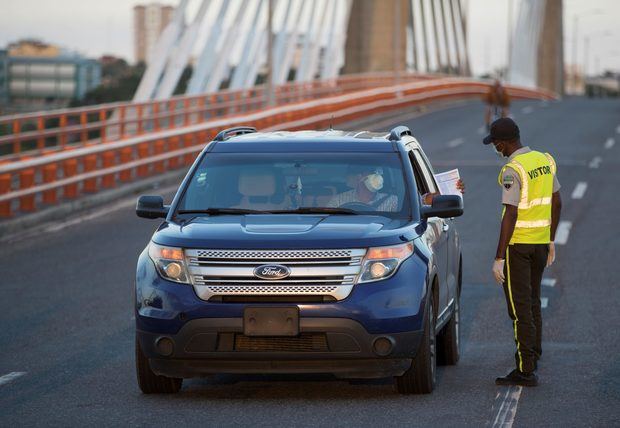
(331, 124)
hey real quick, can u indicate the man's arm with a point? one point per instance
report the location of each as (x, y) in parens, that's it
(508, 226)
(556, 209)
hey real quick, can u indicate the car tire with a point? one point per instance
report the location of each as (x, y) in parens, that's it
(149, 382)
(420, 377)
(449, 341)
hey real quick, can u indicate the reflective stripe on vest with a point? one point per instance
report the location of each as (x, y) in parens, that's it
(536, 171)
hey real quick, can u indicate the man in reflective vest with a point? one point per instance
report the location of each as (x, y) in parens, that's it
(532, 205)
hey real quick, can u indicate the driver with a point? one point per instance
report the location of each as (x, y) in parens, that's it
(366, 183)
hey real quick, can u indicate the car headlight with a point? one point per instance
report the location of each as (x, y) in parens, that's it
(382, 262)
(170, 262)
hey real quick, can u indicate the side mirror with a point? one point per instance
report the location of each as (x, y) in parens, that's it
(444, 206)
(151, 207)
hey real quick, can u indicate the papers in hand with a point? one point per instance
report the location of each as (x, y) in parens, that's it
(447, 182)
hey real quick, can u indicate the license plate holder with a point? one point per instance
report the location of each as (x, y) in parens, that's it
(271, 321)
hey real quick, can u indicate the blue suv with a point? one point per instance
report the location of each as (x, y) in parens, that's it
(301, 252)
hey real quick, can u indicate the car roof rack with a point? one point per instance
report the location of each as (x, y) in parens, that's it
(231, 132)
(397, 133)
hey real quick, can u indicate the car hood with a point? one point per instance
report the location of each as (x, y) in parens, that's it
(286, 231)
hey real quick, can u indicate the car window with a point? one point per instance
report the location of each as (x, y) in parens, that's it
(427, 173)
(363, 182)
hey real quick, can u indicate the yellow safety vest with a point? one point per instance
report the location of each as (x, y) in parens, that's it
(536, 171)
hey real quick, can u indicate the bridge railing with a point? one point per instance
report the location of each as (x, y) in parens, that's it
(45, 132)
(28, 185)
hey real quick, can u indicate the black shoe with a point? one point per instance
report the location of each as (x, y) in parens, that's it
(516, 377)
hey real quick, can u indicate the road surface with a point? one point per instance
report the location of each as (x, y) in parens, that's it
(67, 327)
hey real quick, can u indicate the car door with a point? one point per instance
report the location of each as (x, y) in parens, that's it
(437, 232)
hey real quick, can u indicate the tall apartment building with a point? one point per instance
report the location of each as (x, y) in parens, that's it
(35, 76)
(148, 22)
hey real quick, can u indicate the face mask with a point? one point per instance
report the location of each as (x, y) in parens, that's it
(497, 152)
(374, 182)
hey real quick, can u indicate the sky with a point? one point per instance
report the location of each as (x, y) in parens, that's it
(96, 27)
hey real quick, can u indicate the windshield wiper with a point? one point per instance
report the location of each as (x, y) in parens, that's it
(216, 211)
(317, 210)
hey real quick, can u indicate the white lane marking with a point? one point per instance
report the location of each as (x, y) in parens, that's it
(548, 282)
(527, 109)
(11, 376)
(506, 402)
(482, 130)
(610, 143)
(456, 142)
(580, 190)
(544, 302)
(561, 235)
(618, 129)
(595, 162)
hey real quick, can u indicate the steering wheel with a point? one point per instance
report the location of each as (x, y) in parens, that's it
(358, 206)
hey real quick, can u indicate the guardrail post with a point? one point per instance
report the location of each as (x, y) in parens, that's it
(171, 114)
(40, 128)
(121, 122)
(16, 141)
(159, 148)
(109, 159)
(140, 111)
(5, 187)
(155, 115)
(188, 141)
(187, 114)
(26, 180)
(83, 122)
(69, 170)
(143, 153)
(173, 144)
(126, 155)
(102, 130)
(90, 165)
(49, 176)
(63, 134)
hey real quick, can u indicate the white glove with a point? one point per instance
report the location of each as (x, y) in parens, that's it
(498, 270)
(551, 256)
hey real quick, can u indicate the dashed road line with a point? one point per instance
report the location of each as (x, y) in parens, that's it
(456, 142)
(595, 162)
(481, 130)
(505, 407)
(618, 129)
(527, 109)
(561, 235)
(610, 143)
(544, 302)
(9, 377)
(548, 282)
(580, 190)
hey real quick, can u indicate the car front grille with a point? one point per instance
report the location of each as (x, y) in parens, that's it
(312, 272)
(305, 342)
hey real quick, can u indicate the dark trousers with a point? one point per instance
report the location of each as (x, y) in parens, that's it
(524, 268)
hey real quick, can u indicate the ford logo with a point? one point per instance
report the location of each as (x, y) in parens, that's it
(272, 272)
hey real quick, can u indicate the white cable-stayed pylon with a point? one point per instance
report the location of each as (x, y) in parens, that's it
(163, 46)
(330, 45)
(524, 55)
(179, 58)
(307, 45)
(207, 56)
(341, 39)
(291, 45)
(215, 77)
(239, 76)
(315, 52)
(280, 42)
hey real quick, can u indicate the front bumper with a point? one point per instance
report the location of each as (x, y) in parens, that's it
(339, 346)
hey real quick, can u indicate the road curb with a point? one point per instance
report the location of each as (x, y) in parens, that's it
(60, 212)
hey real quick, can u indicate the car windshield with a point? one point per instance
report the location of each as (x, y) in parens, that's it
(305, 183)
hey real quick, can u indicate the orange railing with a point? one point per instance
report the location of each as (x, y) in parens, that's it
(45, 132)
(29, 184)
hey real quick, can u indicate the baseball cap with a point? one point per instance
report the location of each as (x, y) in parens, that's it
(503, 129)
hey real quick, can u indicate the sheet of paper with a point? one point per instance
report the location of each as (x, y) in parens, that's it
(447, 182)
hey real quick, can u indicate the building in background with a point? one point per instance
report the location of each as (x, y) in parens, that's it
(148, 22)
(35, 76)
